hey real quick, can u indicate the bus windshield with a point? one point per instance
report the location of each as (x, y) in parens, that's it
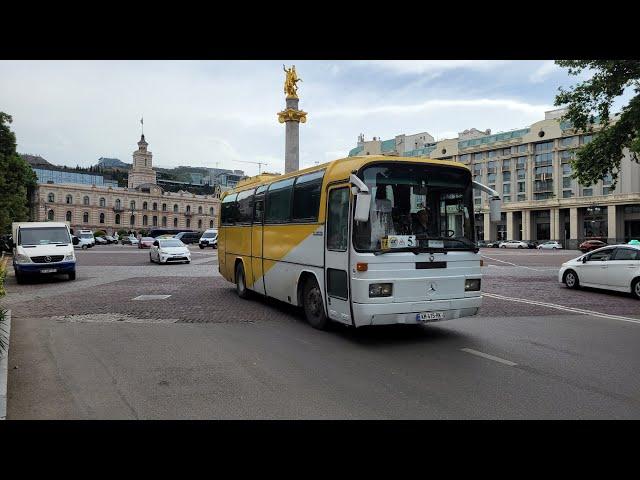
(428, 206)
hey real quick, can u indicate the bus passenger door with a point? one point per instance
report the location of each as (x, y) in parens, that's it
(337, 254)
(256, 245)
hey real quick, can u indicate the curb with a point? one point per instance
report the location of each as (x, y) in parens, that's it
(5, 330)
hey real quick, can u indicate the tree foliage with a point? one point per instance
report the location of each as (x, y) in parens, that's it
(594, 97)
(16, 179)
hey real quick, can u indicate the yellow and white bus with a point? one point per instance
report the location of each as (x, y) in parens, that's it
(365, 240)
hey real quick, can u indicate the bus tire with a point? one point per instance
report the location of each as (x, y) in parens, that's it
(241, 285)
(313, 305)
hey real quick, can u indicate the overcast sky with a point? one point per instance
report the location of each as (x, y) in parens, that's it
(213, 113)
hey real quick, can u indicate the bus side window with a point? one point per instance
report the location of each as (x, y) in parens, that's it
(338, 219)
(258, 209)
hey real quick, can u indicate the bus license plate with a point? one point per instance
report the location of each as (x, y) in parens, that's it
(429, 316)
(49, 270)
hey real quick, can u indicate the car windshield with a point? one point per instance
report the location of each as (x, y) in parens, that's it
(209, 234)
(171, 243)
(43, 236)
(430, 205)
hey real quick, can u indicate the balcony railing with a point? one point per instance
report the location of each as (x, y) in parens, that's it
(188, 213)
(118, 209)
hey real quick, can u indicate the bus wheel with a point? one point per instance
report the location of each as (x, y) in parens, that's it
(313, 305)
(241, 286)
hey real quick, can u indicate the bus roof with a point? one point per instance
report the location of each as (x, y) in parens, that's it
(339, 169)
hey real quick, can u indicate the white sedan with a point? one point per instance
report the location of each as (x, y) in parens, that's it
(165, 250)
(614, 267)
(514, 244)
(550, 245)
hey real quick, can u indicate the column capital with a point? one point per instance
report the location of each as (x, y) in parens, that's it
(292, 115)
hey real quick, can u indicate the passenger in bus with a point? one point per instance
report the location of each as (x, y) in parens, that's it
(381, 217)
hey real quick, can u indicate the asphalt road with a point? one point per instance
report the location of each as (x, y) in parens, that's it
(87, 349)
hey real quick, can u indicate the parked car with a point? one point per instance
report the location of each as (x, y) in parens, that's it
(481, 243)
(82, 243)
(495, 244)
(130, 240)
(110, 239)
(188, 237)
(165, 250)
(550, 245)
(86, 236)
(514, 244)
(531, 243)
(146, 242)
(614, 267)
(101, 241)
(589, 245)
(209, 239)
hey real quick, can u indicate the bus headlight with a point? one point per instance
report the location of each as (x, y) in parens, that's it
(472, 285)
(380, 289)
(23, 259)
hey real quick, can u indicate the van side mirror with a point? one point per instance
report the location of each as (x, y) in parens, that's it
(495, 206)
(156, 243)
(75, 240)
(362, 198)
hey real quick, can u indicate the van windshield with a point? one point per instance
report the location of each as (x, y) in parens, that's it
(43, 236)
(209, 234)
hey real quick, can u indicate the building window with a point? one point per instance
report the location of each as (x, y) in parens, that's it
(464, 158)
(566, 182)
(132, 220)
(200, 209)
(85, 200)
(569, 141)
(132, 205)
(566, 169)
(521, 187)
(188, 223)
(544, 159)
(68, 216)
(542, 196)
(543, 147)
(175, 209)
(102, 218)
(145, 205)
(586, 139)
(506, 176)
(103, 202)
(117, 219)
(210, 223)
(118, 203)
(506, 188)
(211, 211)
(522, 197)
(155, 206)
(587, 192)
(145, 220)
(478, 156)
(493, 153)
(606, 190)
(506, 198)
(85, 217)
(199, 223)
(164, 207)
(175, 222)
(188, 209)
(477, 201)
(155, 220)
(164, 221)
(69, 199)
(50, 215)
(51, 198)
(567, 193)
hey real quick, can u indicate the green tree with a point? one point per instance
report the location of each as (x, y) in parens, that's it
(16, 179)
(594, 97)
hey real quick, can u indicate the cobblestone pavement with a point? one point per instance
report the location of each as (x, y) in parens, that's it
(95, 348)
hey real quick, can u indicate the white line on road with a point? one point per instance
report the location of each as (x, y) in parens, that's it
(151, 297)
(490, 357)
(498, 260)
(562, 307)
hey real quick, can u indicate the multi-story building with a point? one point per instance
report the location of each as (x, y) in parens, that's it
(531, 170)
(142, 205)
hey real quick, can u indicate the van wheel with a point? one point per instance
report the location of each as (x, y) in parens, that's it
(571, 279)
(241, 285)
(84, 247)
(72, 276)
(313, 305)
(19, 278)
(201, 247)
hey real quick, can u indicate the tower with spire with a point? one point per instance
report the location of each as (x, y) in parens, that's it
(142, 170)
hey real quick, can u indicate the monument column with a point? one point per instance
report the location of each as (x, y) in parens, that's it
(292, 117)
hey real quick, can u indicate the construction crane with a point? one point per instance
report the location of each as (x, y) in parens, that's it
(257, 163)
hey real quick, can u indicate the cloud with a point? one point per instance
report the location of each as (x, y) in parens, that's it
(433, 67)
(543, 71)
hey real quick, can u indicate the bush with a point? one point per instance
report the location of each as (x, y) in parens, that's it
(100, 233)
(122, 233)
(3, 274)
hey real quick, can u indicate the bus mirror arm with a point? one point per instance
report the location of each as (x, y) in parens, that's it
(495, 203)
(363, 199)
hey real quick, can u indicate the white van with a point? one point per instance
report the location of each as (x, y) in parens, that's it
(86, 238)
(209, 238)
(42, 248)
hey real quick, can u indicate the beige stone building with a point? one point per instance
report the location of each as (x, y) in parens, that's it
(530, 168)
(142, 205)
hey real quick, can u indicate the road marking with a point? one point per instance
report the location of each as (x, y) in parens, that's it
(562, 307)
(489, 357)
(515, 265)
(151, 297)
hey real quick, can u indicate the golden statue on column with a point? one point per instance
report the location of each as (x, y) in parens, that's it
(290, 82)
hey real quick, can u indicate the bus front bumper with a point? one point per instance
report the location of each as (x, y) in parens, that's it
(407, 312)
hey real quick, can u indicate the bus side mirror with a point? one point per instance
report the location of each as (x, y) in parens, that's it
(75, 240)
(362, 198)
(495, 205)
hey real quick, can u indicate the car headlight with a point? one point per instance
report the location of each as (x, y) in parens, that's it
(23, 259)
(380, 289)
(472, 285)
(69, 257)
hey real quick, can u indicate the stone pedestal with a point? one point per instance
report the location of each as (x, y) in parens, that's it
(292, 117)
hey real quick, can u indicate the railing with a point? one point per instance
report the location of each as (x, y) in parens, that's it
(118, 209)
